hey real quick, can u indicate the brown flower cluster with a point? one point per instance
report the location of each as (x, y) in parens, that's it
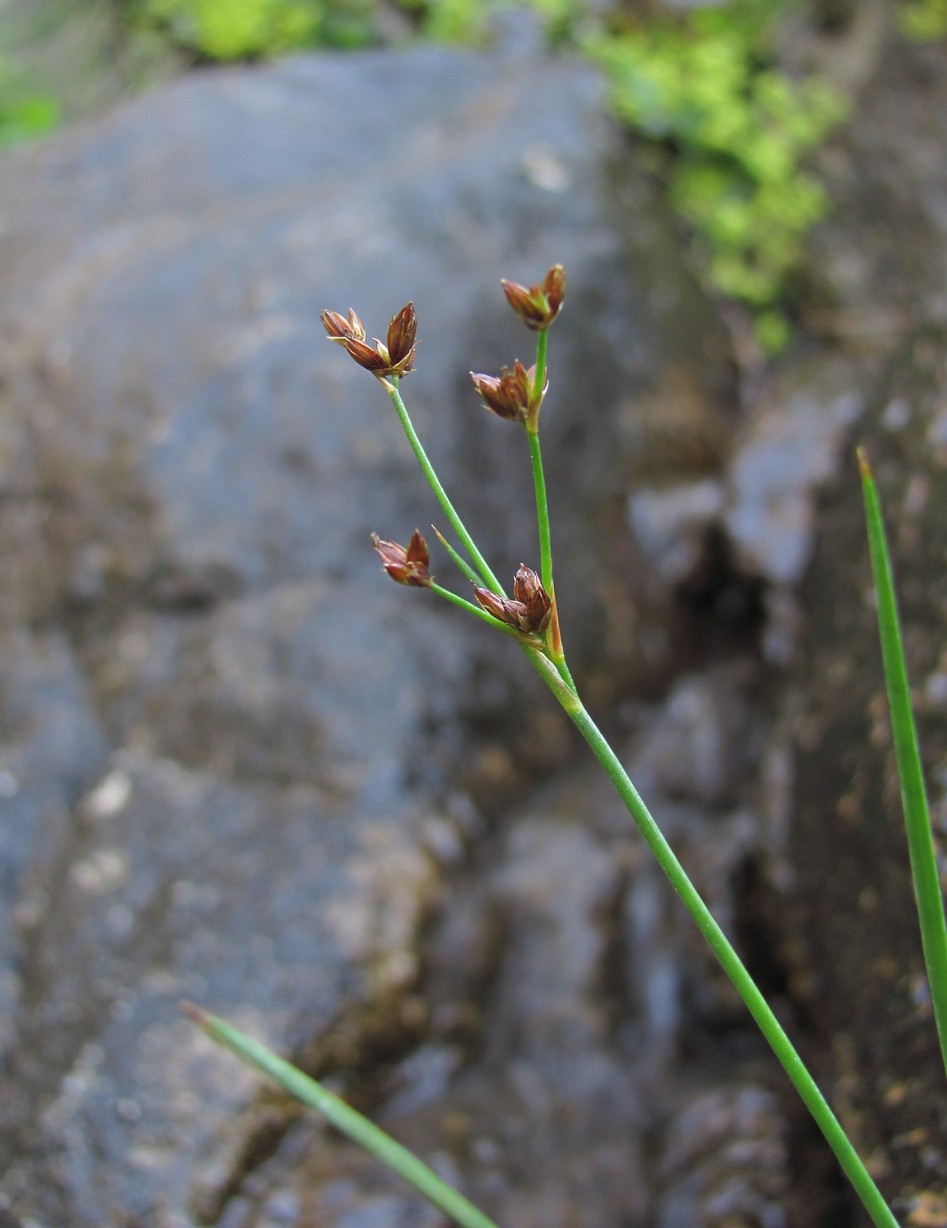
(538, 306)
(509, 394)
(530, 610)
(393, 356)
(405, 566)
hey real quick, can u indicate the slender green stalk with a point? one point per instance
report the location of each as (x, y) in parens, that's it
(930, 905)
(731, 963)
(461, 564)
(556, 655)
(440, 493)
(542, 345)
(535, 454)
(542, 510)
(358, 1128)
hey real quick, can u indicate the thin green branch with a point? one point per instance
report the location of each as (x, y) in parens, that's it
(358, 1128)
(542, 510)
(930, 904)
(720, 945)
(460, 563)
(556, 654)
(440, 493)
(536, 457)
(542, 345)
(480, 613)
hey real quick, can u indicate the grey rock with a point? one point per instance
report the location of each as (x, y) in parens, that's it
(672, 524)
(789, 450)
(700, 744)
(856, 948)
(847, 905)
(226, 736)
(726, 1159)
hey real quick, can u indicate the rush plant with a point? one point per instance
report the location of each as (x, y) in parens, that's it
(529, 615)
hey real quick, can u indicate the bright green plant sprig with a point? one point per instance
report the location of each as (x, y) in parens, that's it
(930, 905)
(530, 617)
(924, 20)
(252, 29)
(706, 85)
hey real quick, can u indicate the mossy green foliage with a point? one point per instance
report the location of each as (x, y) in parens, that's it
(27, 118)
(470, 21)
(248, 29)
(736, 129)
(924, 20)
(23, 115)
(702, 85)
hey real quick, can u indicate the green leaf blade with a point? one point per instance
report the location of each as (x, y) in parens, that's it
(341, 1115)
(930, 904)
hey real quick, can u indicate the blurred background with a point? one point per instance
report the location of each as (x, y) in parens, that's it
(237, 765)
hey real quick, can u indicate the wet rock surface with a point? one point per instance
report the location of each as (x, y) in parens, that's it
(239, 766)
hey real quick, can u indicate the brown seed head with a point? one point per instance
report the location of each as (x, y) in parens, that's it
(507, 394)
(530, 609)
(394, 358)
(554, 288)
(527, 588)
(405, 566)
(513, 613)
(538, 306)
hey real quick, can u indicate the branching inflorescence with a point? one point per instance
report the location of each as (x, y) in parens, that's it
(516, 395)
(530, 617)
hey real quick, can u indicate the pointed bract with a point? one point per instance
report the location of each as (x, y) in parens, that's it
(554, 288)
(527, 588)
(417, 553)
(401, 334)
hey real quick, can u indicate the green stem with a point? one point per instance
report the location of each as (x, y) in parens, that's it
(556, 655)
(542, 345)
(542, 510)
(461, 564)
(536, 457)
(342, 1116)
(729, 960)
(440, 493)
(917, 823)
